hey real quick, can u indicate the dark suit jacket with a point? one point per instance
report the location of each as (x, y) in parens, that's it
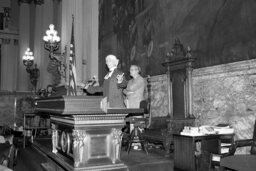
(112, 90)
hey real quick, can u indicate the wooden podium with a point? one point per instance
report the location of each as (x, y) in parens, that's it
(86, 134)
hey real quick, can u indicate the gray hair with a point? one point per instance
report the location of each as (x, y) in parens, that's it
(138, 67)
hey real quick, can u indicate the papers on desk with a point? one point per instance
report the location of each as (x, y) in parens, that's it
(206, 130)
(224, 150)
(224, 130)
(216, 157)
(192, 134)
(192, 131)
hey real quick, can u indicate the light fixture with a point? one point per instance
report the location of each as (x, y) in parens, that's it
(28, 61)
(51, 41)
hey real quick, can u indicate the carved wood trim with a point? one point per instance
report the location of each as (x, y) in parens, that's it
(38, 2)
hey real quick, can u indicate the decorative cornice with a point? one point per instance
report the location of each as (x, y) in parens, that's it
(231, 69)
(158, 78)
(7, 34)
(6, 37)
(25, 1)
(5, 41)
(90, 120)
(38, 2)
(15, 93)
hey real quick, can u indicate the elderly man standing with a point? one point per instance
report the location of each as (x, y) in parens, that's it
(112, 86)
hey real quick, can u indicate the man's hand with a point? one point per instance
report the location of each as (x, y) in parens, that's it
(120, 78)
(83, 85)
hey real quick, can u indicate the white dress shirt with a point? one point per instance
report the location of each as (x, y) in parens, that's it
(109, 74)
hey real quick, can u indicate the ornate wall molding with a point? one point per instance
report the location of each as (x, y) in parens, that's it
(25, 1)
(15, 93)
(230, 69)
(36, 2)
(6, 37)
(226, 70)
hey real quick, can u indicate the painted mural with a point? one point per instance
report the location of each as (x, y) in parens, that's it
(143, 31)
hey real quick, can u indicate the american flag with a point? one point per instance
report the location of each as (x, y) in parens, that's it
(72, 64)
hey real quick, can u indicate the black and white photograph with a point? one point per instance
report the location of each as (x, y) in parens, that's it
(127, 85)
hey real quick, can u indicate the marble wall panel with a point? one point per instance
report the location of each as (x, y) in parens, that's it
(159, 96)
(11, 113)
(7, 110)
(226, 94)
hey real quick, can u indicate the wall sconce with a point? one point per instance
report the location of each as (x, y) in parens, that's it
(51, 41)
(28, 61)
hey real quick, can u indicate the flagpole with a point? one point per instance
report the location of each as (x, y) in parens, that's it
(68, 60)
(67, 68)
(72, 63)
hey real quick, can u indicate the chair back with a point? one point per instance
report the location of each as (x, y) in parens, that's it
(144, 104)
(253, 147)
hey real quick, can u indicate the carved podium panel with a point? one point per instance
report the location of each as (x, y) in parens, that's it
(86, 135)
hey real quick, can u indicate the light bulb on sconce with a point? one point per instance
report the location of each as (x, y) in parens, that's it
(28, 58)
(28, 61)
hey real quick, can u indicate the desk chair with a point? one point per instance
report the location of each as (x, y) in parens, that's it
(136, 134)
(139, 123)
(241, 162)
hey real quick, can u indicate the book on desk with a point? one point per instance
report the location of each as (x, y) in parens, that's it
(206, 130)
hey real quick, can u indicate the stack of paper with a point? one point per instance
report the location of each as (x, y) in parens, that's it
(224, 130)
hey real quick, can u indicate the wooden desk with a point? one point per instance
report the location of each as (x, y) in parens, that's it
(186, 147)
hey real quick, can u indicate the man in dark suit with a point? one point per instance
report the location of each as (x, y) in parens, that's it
(112, 86)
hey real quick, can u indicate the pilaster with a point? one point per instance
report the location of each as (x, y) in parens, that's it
(38, 42)
(46, 13)
(24, 37)
(9, 60)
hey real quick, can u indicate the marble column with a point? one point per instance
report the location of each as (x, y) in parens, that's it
(24, 37)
